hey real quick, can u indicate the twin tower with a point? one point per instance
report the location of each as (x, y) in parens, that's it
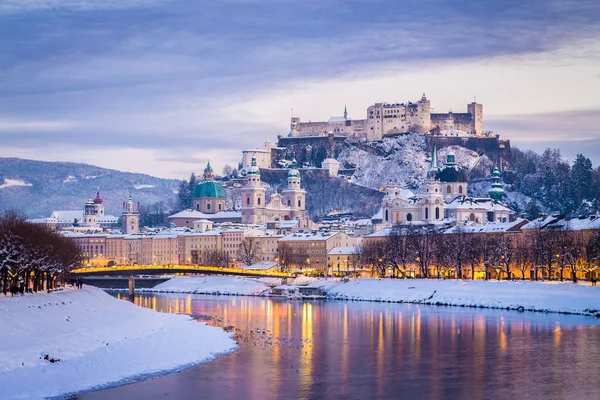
(289, 205)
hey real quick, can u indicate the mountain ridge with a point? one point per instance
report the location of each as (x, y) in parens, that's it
(37, 188)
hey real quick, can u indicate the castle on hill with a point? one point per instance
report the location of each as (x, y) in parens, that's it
(386, 119)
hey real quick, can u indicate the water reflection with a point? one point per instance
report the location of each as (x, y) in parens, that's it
(314, 350)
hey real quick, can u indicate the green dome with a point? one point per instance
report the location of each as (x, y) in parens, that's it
(209, 189)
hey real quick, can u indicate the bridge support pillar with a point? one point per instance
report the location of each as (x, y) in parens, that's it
(131, 285)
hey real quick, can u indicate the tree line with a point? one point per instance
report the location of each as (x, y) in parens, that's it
(535, 254)
(553, 182)
(32, 256)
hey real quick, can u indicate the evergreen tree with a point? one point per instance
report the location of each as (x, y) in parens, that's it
(183, 195)
(583, 184)
(532, 210)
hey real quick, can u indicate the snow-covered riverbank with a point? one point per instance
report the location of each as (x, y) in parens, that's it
(530, 296)
(220, 285)
(526, 296)
(94, 340)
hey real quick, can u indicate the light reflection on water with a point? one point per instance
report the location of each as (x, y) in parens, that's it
(316, 350)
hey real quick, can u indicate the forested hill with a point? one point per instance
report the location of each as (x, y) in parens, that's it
(37, 187)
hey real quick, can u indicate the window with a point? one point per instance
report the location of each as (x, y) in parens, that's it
(247, 200)
(397, 217)
(299, 203)
(448, 190)
(409, 217)
(426, 212)
(208, 206)
(460, 189)
(220, 206)
(259, 200)
(386, 215)
(289, 203)
(437, 213)
(198, 206)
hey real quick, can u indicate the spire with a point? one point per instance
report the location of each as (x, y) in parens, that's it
(434, 168)
(209, 174)
(98, 199)
(345, 112)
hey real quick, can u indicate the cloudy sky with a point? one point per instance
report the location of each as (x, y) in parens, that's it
(159, 86)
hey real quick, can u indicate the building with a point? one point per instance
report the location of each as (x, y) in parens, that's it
(307, 250)
(289, 205)
(90, 218)
(343, 260)
(263, 156)
(385, 119)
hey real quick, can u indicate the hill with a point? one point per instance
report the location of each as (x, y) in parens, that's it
(38, 187)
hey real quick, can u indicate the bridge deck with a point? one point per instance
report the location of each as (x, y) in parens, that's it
(166, 269)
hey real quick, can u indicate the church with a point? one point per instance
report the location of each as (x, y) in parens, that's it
(289, 205)
(445, 198)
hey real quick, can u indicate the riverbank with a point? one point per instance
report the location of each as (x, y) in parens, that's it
(77, 340)
(565, 297)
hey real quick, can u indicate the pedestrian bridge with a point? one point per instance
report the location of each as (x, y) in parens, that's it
(177, 269)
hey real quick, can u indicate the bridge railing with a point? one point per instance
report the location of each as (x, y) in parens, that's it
(190, 268)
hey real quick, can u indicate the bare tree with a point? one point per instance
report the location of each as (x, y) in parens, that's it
(250, 251)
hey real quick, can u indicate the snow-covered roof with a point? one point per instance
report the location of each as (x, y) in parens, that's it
(472, 203)
(491, 227)
(338, 119)
(193, 214)
(342, 251)
(310, 235)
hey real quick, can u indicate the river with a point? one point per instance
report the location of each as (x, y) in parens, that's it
(364, 350)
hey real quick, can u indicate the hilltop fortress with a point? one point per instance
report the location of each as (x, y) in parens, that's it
(388, 119)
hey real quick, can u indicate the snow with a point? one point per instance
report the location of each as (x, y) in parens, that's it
(137, 187)
(69, 178)
(530, 296)
(224, 285)
(399, 160)
(99, 340)
(14, 182)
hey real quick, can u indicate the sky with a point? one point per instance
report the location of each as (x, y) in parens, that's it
(161, 86)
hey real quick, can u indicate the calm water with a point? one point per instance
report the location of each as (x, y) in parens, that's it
(359, 350)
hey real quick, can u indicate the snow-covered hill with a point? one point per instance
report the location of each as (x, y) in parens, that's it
(401, 159)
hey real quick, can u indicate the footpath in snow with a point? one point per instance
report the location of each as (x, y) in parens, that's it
(76, 340)
(515, 295)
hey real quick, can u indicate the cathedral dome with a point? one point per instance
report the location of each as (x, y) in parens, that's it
(450, 174)
(209, 189)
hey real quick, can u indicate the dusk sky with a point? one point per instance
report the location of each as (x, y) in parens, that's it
(159, 86)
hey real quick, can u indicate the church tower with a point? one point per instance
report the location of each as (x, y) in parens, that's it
(253, 196)
(89, 214)
(131, 217)
(294, 196)
(99, 205)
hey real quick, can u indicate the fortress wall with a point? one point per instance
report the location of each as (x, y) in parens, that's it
(320, 148)
(494, 148)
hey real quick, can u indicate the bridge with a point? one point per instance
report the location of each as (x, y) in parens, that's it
(177, 269)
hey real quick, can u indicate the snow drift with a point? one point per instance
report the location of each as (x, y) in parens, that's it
(72, 341)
